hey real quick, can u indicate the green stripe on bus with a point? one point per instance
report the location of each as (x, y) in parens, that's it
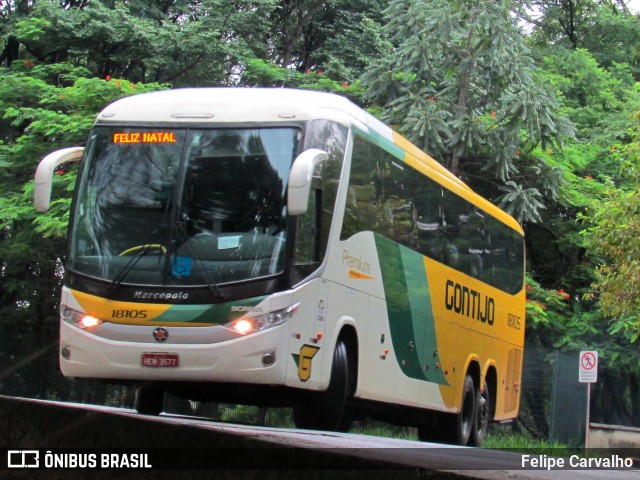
(218, 314)
(386, 144)
(411, 321)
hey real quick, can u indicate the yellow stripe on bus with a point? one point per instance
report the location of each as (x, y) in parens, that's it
(118, 311)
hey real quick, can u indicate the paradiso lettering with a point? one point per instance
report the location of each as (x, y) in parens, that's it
(144, 137)
(470, 303)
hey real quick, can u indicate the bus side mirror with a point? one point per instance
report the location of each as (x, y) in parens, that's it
(44, 174)
(300, 180)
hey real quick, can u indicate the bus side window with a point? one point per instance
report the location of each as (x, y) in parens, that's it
(457, 231)
(428, 200)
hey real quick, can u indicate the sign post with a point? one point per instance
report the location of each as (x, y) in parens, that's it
(588, 373)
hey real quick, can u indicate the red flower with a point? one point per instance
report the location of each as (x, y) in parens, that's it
(493, 114)
(107, 78)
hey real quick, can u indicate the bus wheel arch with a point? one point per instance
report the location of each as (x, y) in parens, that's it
(328, 410)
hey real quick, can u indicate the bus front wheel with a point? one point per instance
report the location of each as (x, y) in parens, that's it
(149, 400)
(326, 410)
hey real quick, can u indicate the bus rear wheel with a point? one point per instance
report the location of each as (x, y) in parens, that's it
(465, 420)
(326, 410)
(453, 428)
(483, 414)
(149, 400)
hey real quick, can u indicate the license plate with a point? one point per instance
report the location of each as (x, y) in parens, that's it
(160, 360)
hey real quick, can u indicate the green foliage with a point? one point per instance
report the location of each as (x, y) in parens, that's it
(196, 42)
(458, 80)
(258, 72)
(40, 117)
(607, 29)
(337, 37)
(612, 236)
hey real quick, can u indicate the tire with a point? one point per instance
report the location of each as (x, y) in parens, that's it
(149, 400)
(453, 428)
(483, 416)
(326, 410)
(466, 418)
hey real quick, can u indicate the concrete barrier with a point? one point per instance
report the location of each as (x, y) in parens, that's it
(613, 436)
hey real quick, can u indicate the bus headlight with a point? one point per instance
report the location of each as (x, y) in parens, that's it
(79, 319)
(246, 325)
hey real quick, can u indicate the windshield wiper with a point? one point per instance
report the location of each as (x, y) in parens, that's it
(138, 252)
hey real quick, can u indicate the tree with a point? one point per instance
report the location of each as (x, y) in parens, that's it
(458, 80)
(607, 29)
(184, 43)
(334, 36)
(565, 311)
(613, 238)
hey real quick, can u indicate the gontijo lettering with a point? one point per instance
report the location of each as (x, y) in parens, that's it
(469, 303)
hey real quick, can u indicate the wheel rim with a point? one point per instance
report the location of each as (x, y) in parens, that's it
(467, 415)
(483, 412)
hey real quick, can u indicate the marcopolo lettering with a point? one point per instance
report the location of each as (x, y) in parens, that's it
(142, 295)
(470, 303)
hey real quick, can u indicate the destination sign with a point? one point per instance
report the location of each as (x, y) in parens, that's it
(144, 137)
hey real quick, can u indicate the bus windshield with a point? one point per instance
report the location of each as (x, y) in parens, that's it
(182, 206)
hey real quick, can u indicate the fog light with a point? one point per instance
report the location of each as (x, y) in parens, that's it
(65, 353)
(268, 359)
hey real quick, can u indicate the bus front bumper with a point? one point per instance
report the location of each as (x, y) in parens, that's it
(258, 358)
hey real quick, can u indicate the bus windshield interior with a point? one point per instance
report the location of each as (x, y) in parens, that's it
(182, 206)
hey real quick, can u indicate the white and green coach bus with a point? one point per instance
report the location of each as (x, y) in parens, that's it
(280, 247)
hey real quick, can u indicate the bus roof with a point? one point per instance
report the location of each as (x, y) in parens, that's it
(225, 105)
(253, 105)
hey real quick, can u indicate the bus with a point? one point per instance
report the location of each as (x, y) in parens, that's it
(281, 247)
